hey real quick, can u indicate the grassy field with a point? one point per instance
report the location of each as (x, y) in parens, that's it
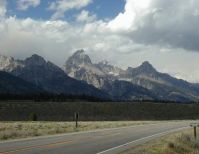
(178, 143)
(15, 130)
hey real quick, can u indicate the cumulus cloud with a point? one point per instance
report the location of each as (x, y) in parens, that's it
(25, 4)
(126, 20)
(86, 16)
(61, 6)
(167, 23)
(173, 23)
(162, 32)
(56, 40)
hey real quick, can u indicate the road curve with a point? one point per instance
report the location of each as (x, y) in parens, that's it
(92, 142)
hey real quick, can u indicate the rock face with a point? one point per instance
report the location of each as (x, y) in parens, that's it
(52, 79)
(143, 82)
(80, 66)
(109, 70)
(8, 64)
(79, 58)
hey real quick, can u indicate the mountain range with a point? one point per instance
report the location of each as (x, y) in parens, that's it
(141, 83)
(47, 77)
(80, 76)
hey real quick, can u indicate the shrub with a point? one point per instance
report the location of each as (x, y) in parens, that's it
(171, 145)
(33, 117)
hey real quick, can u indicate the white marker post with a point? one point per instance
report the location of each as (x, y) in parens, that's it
(194, 125)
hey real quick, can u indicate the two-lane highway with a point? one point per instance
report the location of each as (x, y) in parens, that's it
(91, 142)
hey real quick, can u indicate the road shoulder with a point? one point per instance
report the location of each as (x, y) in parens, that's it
(177, 142)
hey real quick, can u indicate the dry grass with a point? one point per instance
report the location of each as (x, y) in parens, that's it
(178, 143)
(14, 130)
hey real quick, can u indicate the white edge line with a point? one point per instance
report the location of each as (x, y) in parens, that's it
(163, 133)
(85, 132)
(81, 132)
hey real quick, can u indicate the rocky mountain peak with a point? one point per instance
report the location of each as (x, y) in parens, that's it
(5, 60)
(8, 63)
(79, 52)
(146, 64)
(35, 60)
(2, 57)
(79, 58)
(146, 67)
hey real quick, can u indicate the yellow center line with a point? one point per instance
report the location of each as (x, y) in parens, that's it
(36, 146)
(107, 135)
(51, 145)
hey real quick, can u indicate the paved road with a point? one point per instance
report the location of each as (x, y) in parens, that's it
(92, 142)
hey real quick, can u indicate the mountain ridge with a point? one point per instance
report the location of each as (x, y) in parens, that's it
(81, 76)
(52, 79)
(164, 86)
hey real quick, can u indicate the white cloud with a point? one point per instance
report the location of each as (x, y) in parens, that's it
(167, 23)
(25, 4)
(2, 8)
(57, 40)
(85, 16)
(61, 6)
(133, 10)
(112, 40)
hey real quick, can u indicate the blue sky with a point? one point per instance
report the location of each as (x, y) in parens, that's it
(104, 9)
(124, 32)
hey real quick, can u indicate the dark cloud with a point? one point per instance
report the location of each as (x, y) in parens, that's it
(171, 23)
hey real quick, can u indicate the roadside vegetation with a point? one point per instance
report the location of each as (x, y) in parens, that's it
(178, 143)
(15, 130)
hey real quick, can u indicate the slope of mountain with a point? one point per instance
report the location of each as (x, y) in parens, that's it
(10, 84)
(53, 79)
(111, 79)
(163, 85)
(125, 91)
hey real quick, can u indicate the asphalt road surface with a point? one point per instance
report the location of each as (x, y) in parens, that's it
(99, 141)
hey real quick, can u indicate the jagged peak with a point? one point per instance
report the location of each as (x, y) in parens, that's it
(80, 52)
(8, 63)
(3, 57)
(146, 64)
(35, 59)
(79, 57)
(146, 67)
(36, 56)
